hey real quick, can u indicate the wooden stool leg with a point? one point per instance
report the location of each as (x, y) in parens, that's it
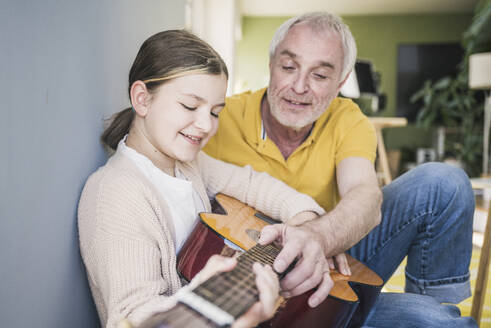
(482, 273)
(383, 161)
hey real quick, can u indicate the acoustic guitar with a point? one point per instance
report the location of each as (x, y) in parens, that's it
(227, 295)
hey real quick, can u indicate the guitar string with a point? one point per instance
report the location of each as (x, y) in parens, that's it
(243, 298)
(230, 301)
(238, 297)
(239, 274)
(184, 316)
(222, 284)
(243, 268)
(217, 289)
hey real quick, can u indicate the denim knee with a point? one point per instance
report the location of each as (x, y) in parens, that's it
(439, 172)
(450, 179)
(411, 310)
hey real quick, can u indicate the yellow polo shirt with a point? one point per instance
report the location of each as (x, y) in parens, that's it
(342, 131)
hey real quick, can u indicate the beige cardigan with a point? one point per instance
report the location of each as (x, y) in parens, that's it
(127, 233)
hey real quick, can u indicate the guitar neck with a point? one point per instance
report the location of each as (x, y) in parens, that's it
(235, 291)
(221, 299)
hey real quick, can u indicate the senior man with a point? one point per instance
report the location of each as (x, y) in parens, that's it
(299, 131)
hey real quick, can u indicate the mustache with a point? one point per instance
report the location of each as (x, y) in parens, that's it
(308, 99)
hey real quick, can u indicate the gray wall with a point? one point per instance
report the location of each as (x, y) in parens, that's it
(63, 68)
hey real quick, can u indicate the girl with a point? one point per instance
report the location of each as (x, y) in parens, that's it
(137, 210)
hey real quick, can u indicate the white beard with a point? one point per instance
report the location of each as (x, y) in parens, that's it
(298, 120)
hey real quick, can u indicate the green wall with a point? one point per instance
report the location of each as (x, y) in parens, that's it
(377, 38)
(251, 59)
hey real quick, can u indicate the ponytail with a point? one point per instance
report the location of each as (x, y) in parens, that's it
(118, 128)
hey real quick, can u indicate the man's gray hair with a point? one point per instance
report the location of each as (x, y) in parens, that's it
(321, 22)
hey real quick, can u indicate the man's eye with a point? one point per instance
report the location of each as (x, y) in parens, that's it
(288, 68)
(320, 76)
(188, 107)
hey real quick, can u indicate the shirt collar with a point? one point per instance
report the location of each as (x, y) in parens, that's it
(252, 117)
(148, 168)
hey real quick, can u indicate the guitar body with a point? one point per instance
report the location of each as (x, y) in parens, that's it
(347, 305)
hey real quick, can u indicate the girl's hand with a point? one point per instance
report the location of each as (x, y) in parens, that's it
(215, 264)
(268, 286)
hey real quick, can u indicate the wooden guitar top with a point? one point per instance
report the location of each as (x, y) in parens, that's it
(241, 226)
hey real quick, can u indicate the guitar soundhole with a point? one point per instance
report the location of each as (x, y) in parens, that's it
(216, 207)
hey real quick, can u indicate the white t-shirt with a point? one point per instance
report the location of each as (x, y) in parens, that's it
(182, 198)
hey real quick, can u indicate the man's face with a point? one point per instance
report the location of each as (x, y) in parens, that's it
(305, 76)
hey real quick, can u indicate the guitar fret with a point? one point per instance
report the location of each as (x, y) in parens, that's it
(181, 316)
(235, 291)
(245, 263)
(239, 304)
(233, 279)
(239, 298)
(253, 256)
(211, 289)
(269, 251)
(262, 255)
(218, 284)
(185, 315)
(209, 309)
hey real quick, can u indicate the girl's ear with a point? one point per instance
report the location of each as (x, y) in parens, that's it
(140, 98)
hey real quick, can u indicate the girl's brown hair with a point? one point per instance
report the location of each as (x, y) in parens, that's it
(162, 57)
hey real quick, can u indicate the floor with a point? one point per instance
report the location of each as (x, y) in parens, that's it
(396, 282)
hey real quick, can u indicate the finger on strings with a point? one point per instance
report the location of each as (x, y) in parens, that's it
(215, 264)
(330, 262)
(270, 233)
(307, 276)
(289, 252)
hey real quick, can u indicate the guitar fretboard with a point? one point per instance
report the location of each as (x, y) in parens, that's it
(235, 291)
(221, 299)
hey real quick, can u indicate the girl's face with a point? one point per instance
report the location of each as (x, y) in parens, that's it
(182, 116)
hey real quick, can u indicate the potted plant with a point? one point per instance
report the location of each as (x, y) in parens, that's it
(450, 103)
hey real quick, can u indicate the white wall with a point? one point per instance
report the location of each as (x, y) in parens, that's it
(218, 22)
(63, 68)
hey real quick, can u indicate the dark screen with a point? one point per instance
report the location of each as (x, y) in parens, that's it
(364, 75)
(417, 63)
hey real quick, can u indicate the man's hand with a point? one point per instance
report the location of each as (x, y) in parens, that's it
(312, 268)
(339, 262)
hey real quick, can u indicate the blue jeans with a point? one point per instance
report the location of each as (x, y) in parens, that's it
(427, 215)
(415, 311)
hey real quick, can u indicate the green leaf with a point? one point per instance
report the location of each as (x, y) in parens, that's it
(443, 83)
